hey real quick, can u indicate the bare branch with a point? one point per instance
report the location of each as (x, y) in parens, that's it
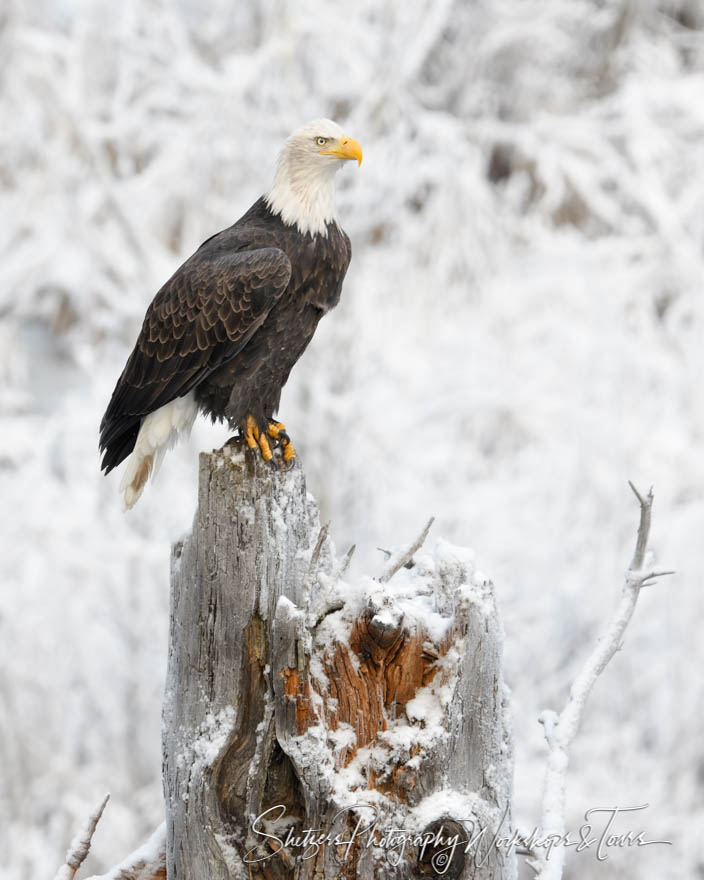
(398, 560)
(313, 565)
(649, 579)
(80, 845)
(339, 574)
(646, 506)
(315, 556)
(637, 493)
(561, 729)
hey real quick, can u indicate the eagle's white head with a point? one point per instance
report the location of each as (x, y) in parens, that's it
(303, 192)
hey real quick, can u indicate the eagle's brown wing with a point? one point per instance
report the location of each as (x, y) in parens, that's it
(201, 318)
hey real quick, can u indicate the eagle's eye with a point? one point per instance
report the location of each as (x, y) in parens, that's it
(321, 141)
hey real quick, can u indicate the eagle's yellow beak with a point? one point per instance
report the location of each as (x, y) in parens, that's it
(348, 149)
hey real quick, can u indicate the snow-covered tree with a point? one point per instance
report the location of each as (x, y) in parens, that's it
(520, 332)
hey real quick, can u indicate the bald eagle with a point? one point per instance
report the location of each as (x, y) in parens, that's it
(223, 333)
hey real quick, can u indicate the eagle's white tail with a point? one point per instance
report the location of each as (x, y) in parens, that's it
(159, 432)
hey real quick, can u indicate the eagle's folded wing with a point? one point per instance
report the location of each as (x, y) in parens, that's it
(200, 319)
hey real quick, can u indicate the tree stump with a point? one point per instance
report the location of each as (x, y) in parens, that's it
(318, 728)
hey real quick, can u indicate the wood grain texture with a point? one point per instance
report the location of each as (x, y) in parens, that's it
(289, 690)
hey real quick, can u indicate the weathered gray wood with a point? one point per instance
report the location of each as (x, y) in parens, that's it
(337, 704)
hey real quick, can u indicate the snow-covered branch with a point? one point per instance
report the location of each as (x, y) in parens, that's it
(146, 863)
(403, 557)
(561, 729)
(80, 845)
(526, 238)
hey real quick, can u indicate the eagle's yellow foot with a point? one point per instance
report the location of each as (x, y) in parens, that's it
(277, 431)
(257, 440)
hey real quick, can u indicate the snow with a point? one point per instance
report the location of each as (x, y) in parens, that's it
(344, 737)
(440, 804)
(287, 609)
(519, 333)
(232, 858)
(207, 746)
(413, 735)
(148, 854)
(409, 596)
(428, 706)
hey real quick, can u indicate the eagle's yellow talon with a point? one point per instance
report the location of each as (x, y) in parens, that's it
(257, 440)
(267, 454)
(275, 429)
(251, 433)
(289, 453)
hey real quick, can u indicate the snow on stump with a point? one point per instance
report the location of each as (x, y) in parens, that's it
(321, 728)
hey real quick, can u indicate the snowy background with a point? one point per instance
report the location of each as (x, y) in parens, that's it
(520, 333)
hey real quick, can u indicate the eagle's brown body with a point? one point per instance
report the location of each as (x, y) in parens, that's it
(228, 326)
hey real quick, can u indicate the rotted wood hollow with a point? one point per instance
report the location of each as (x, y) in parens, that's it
(304, 717)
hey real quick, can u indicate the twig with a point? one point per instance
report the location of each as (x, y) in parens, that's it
(313, 564)
(314, 617)
(345, 563)
(331, 606)
(561, 729)
(643, 579)
(315, 556)
(80, 845)
(146, 863)
(400, 559)
(646, 507)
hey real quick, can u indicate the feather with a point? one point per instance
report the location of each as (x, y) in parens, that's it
(224, 332)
